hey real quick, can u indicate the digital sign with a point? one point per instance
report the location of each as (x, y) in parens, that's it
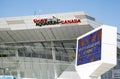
(89, 48)
(54, 21)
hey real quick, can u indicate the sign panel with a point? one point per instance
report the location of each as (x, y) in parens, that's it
(89, 48)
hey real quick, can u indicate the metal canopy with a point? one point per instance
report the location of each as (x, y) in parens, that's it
(44, 34)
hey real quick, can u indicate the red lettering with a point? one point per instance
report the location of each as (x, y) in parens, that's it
(70, 21)
(66, 21)
(62, 22)
(75, 21)
(39, 20)
(43, 20)
(78, 20)
(35, 20)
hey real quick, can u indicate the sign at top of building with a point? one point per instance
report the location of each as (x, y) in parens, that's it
(53, 21)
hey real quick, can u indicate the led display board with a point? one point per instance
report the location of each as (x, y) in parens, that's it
(89, 48)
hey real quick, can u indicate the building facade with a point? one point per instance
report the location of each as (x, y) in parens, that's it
(44, 46)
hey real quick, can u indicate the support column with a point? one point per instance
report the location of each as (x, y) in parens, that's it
(18, 65)
(54, 59)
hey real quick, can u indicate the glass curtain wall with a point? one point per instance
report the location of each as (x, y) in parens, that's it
(41, 60)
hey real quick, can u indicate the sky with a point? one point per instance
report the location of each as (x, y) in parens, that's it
(105, 11)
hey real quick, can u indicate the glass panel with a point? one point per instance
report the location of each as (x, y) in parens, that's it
(35, 60)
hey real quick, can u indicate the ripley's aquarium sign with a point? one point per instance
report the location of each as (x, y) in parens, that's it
(89, 48)
(54, 21)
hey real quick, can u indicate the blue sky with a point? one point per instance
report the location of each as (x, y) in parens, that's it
(105, 11)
